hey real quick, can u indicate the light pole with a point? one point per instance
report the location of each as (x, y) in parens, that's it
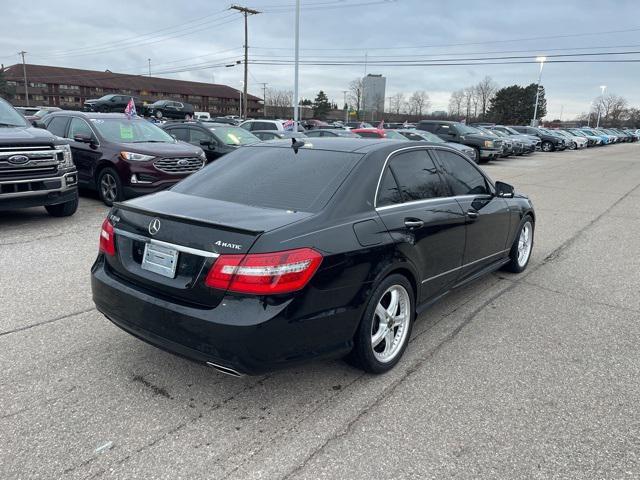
(589, 117)
(535, 108)
(346, 107)
(602, 89)
(296, 111)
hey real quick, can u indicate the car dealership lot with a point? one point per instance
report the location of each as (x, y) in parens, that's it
(513, 376)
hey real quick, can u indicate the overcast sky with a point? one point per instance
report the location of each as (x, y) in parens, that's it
(121, 36)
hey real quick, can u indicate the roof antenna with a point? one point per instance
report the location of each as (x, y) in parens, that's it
(296, 144)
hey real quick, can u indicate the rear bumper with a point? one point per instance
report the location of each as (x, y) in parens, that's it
(244, 334)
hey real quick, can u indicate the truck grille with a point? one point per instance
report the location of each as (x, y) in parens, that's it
(179, 165)
(28, 162)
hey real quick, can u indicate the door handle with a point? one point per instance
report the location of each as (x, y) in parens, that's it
(412, 223)
(472, 213)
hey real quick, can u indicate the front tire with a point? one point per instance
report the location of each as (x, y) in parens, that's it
(109, 187)
(385, 328)
(520, 252)
(158, 114)
(573, 146)
(547, 146)
(63, 209)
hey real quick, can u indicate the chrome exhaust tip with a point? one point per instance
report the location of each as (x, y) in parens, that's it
(225, 370)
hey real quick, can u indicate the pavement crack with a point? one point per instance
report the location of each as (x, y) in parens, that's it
(45, 322)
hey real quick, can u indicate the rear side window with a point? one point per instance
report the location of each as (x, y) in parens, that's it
(264, 126)
(273, 177)
(463, 178)
(429, 127)
(417, 176)
(388, 192)
(58, 125)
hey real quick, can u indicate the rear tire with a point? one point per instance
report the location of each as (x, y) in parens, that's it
(520, 252)
(378, 347)
(158, 114)
(63, 209)
(109, 186)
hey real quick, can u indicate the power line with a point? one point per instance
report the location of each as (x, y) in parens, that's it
(368, 48)
(136, 44)
(136, 38)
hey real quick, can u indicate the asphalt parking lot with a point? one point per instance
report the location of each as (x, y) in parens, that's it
(515, 376)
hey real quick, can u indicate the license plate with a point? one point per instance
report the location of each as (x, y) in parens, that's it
(160, 260)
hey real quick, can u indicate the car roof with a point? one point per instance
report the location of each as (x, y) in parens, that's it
(344, 144)
(90, 115)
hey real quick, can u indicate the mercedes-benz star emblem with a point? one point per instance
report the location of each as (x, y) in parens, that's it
(154, 226)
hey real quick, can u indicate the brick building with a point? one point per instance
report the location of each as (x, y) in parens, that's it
(68, 88)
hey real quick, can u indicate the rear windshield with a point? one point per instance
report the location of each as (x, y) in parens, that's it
(272, 177)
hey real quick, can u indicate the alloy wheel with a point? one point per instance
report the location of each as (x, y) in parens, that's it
(108, 188)
(524, 244)
(390, 324)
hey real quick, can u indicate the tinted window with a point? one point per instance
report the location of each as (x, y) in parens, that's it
(463, 177)
(417, 176)
(264, 126)
(272, 177)
(368, 135)
(79, 126)
(429, 127)
(195, 135)
(179, 133)
(58, 125)
(388, 193)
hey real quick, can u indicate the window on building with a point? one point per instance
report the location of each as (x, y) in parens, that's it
(37, 85)
(63, 86)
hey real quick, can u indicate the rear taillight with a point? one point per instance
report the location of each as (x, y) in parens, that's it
(107, 240)
(264, 273)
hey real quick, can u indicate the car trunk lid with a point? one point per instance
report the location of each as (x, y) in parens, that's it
(150, 230)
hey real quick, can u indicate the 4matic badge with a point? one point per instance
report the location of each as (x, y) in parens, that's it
(235, 246)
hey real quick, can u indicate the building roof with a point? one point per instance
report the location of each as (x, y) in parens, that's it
(111, 80)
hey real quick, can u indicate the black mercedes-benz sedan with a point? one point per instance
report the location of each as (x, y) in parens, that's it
(281, 252)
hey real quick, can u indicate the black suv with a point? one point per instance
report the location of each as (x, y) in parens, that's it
(169, 109)
(121, 157)
(111, 103)
(215, 139)
(550, 142)
(36, 168)
(487, 148)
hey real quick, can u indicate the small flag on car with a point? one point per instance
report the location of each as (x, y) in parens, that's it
(405, 124)
(288, 126)
(130, 109)
(362, 125)
(381, 125)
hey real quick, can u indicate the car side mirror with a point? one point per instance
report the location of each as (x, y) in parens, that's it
(39, 124)
(504, 190)
(82, 138)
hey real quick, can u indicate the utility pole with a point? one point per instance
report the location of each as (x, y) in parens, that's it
(24, 72)
(535, 108)
(246, 12)
(600, 104)
(149, 60)
(364, 104)
(264, 98)
(345, 106)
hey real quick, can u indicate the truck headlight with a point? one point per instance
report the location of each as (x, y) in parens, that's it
(64, 155)
(488, 143)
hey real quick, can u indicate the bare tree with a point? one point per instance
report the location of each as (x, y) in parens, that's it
(355, 94)
(612, 109)
(279, 102)
(485, 90)
(396, 102)
(419, 102)
(456, 102)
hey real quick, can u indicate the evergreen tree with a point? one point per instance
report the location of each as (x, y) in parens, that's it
(321, 105)
(6, 91)
(515, 105)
